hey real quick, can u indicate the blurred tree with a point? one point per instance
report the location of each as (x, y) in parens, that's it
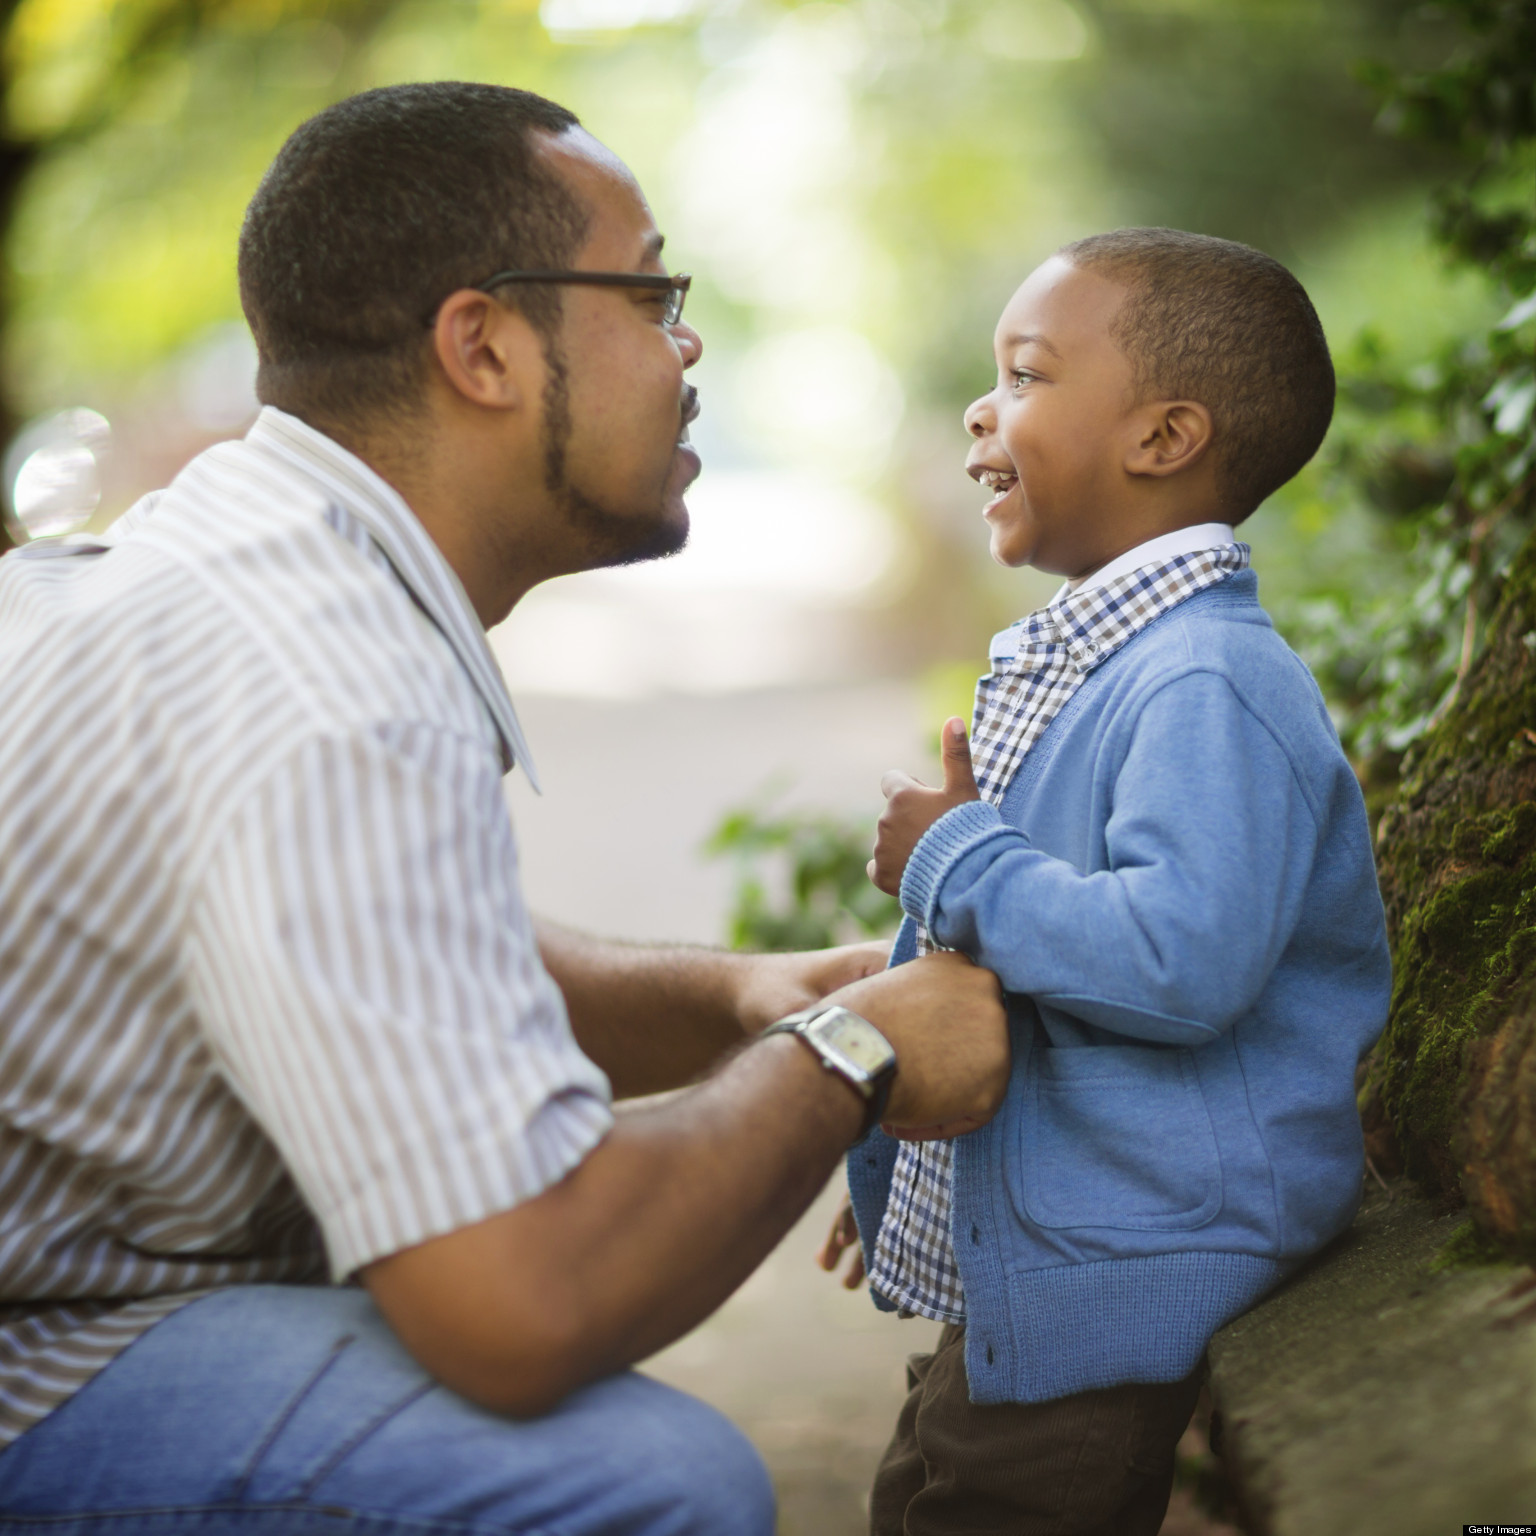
(1442, 451)
(70, 68)
(1241, 118)
(1237, 118)
(17, 155)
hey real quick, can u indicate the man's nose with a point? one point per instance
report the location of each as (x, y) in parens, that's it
(979, 419)
(689, 343)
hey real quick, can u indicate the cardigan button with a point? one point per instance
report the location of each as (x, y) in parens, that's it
(975, 1233)
(989, 1354)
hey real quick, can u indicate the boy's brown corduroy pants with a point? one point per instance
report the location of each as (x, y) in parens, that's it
(1093, 1464)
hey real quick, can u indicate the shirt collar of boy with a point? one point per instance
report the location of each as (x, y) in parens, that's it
(1093, 620)
(1182, 541)
(416, 561)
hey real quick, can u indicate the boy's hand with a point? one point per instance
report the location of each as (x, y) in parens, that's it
(912, 807)
(844, 1235)
(773, 985)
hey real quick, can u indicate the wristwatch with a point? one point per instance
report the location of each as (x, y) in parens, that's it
(849, 1045)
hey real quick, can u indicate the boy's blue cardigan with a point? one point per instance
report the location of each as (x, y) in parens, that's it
(1178, 894)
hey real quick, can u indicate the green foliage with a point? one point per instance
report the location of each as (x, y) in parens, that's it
(824, 896)
(1482, 106)
(1442, 453)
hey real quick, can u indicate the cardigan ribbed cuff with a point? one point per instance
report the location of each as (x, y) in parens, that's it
(940, 848)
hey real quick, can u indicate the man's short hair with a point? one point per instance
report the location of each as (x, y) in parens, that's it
(373, 212)
(1221, 323)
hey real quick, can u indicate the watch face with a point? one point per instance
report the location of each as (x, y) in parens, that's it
(856, 1039)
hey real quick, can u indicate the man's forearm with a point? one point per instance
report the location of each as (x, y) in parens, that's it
(660, 1017)
(719, 1175)
(637, 1245)
(652, 1018)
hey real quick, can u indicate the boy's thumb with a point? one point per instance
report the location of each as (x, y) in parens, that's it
(955, 754)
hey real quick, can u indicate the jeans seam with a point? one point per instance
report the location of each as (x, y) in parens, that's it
(371, 1428)
(285, 1417)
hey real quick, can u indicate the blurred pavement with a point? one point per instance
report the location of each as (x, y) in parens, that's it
(633, 787)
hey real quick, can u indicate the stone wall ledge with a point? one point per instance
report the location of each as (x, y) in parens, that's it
(1375, 1395)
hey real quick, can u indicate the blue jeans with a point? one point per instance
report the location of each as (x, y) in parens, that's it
(262, 1410)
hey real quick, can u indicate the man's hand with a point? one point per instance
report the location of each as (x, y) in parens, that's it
(844, 1235)
(912, 807)
(944, 1018)
(774, 985)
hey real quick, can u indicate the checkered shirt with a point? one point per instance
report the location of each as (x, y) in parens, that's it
(1038, 664)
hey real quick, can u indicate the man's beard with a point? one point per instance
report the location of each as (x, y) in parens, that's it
(612, 538)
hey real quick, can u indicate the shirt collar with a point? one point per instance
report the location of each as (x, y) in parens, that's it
(1096, 618)
(1166, 546)
(415, 559)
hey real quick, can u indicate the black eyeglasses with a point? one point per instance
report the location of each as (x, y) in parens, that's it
(675, 288)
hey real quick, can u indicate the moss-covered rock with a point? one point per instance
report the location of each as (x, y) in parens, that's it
(1456, 851)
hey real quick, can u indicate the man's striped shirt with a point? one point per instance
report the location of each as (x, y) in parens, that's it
(270, 1002)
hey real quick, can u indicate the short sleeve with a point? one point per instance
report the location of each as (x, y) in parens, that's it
(367, 975)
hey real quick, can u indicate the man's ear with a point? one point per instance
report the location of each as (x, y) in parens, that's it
(1171, 435)
(489, 354)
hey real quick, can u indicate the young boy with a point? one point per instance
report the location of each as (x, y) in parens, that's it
(1155, 841)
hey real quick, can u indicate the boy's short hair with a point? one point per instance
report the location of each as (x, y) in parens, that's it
(373, 212)
(1218, 322)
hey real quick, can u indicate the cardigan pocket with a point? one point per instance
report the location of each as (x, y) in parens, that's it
(1119, 1137)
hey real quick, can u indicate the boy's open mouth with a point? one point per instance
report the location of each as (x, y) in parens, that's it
(999, 482)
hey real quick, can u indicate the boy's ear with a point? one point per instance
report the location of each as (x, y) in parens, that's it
(1170, 436)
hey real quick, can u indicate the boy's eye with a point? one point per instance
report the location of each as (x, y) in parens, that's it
(1021, 376)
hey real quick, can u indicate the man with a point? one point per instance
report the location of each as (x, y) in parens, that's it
(273, 1005)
